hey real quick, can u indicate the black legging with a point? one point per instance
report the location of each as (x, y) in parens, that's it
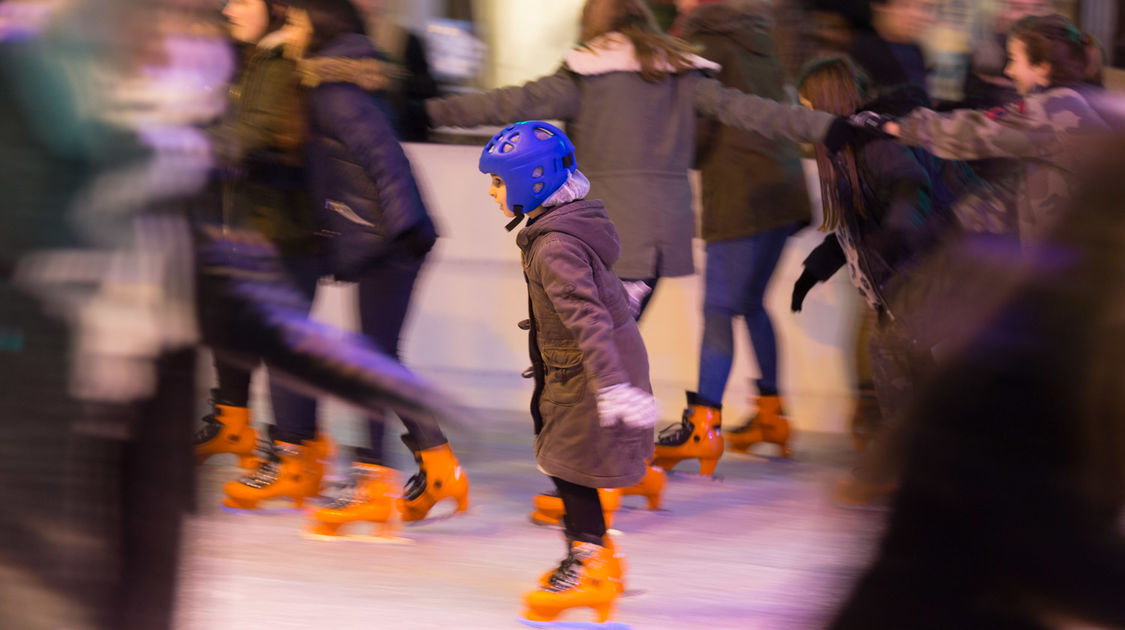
(585, 521)
(294, 414)
(384, 299)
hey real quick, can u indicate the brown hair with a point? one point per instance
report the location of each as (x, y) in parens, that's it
(834, 85)
(1075, 57)
(634, 20)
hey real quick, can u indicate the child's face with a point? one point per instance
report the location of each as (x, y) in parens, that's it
(499, 192)
(1021, 71)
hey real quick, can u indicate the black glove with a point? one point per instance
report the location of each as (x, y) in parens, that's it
(801, 288)
(848, 130)
(870, 122)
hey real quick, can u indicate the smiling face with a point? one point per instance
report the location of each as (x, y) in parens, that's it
(1026, 75)
(249, 19)
(498, 191)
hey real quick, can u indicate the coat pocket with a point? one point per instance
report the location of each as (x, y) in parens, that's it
(565, 378)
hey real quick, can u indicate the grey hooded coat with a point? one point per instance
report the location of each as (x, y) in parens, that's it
(582, 338)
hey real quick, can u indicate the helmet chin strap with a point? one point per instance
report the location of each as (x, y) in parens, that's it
(518, 211)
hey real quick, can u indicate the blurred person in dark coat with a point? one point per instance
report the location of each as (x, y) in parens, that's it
(1014, 477)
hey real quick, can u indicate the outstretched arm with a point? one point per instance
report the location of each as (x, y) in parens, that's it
(969, 134)
(760, 115)
(552, 97)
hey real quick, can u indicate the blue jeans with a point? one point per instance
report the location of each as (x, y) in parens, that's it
(735, 282)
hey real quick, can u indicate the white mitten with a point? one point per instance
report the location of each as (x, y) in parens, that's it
(625, 403)
(636, 291)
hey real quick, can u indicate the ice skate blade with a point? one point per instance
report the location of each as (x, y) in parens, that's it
(696, 477)
(440, 516)
(577, 625)
(262, 511)
(547, 524)
(359, 538)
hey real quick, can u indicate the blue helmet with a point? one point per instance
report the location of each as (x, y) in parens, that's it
(533, 158)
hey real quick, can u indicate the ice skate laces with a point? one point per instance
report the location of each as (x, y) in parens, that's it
(349, 493)
(210, 429)
(566, 576)
(268, 470)
(676, 434)
(415, 486)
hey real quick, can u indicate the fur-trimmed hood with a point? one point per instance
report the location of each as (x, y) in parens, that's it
(613, 52)
(350, 58)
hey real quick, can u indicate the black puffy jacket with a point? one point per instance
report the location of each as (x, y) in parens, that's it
(361, 180)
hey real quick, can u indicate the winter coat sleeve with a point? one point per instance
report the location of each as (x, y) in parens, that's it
(1023, 129)
(551, 97)
(754, 114)
(563, 266)
(824, 261)
(352, 117)
(706, 127)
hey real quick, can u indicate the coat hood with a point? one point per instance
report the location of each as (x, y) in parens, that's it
(613, 52)
(350, 58)
(584, 220)
(745, 22)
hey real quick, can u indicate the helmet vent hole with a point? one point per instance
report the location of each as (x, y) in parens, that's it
(508, 147)
(542, 133)
(538, 172)
(537, 188)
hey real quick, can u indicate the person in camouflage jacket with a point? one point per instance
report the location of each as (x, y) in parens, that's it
(1048, 130)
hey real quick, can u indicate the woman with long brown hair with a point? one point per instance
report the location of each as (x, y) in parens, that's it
(886, 207)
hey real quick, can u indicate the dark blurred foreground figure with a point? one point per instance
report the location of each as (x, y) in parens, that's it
(97, 326)
(1008, 513)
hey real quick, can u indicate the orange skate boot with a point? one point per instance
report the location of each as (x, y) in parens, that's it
(369, 497)
(286, 471)
(651, 487)
(583, 579)
(698, 436)
(768, 425)
(227, 430)
(439, 477)
(616, 566)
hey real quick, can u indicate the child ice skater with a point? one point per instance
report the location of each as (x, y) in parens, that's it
(592, 407)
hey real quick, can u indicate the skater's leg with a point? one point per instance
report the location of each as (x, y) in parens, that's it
(585, 521)
(295, 414)
(723, 276)
(764, 252)
(384, 303)
(233, 384)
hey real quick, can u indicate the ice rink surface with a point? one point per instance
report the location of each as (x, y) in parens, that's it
(762, 547)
